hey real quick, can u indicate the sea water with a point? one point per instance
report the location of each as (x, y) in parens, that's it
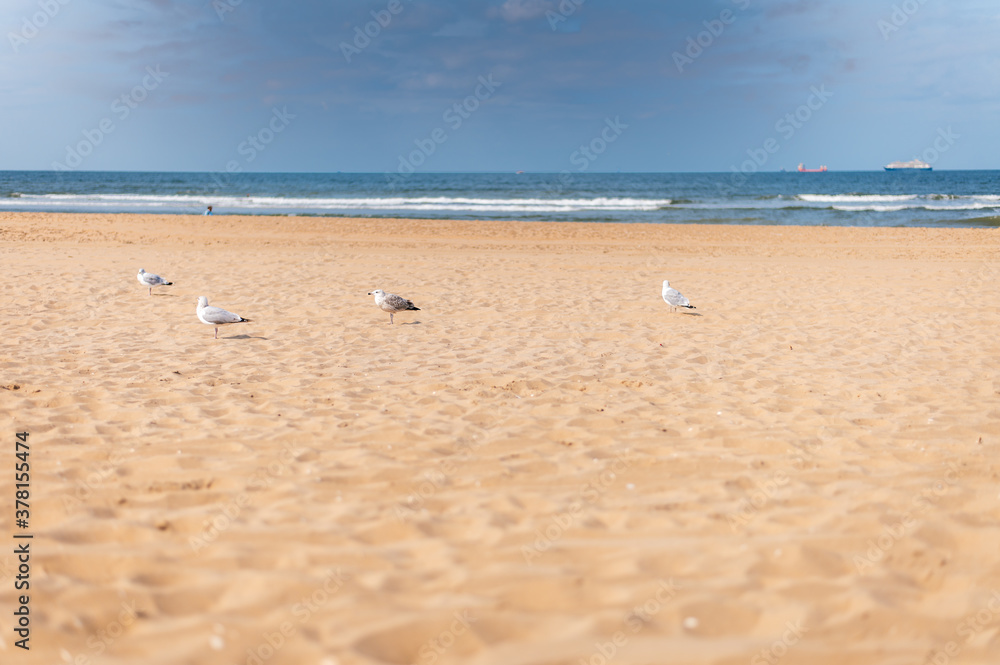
(898, 198)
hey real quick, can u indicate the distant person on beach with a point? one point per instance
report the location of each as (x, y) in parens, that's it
(209, 211)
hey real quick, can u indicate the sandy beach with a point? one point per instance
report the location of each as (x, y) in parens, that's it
(542, 466)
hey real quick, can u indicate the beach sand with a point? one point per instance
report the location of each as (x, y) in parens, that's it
(542, 466)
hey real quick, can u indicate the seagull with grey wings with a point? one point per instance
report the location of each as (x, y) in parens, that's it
(216, 316)
(151, 280)
(674, 298)
(390, 302)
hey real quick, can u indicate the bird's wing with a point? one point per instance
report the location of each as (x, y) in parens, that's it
(397, 302)
(219, 315)
(674, 297)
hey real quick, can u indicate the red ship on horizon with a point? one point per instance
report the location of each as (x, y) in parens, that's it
(803, 169)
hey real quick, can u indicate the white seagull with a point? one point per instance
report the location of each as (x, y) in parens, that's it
(390, 302)
(151, 280)
(674, 298)
(216, 316)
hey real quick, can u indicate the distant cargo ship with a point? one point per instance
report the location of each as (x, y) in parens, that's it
(913, 164)
(803, 169)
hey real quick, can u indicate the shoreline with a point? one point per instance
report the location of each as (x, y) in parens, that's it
(941, 200)
(356, 226)
(983, 223)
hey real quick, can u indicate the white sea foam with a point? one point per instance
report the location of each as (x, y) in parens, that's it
(970, 206)
(500, 207)
(896, 203)
(855, 198)
(935, 208)
(871, 208)
(348, 203)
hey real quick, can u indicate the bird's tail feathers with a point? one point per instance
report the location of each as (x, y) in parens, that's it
(414, 308)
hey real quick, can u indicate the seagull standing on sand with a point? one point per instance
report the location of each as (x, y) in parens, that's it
(151, 280)
(674, 298)
(390, 302)
(216, 316)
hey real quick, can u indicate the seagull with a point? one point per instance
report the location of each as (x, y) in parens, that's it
(151, 280)
(674, 298)
(390, 302)
(216, 316)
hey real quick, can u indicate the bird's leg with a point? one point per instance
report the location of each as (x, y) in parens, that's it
(151, 290)
(390, 318)
(216, 333)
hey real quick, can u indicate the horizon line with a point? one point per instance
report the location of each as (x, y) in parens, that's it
(524, 172)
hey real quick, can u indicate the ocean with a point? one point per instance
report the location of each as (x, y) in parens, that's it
(862, 198)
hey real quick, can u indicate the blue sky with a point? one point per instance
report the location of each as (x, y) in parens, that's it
(688, 86)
